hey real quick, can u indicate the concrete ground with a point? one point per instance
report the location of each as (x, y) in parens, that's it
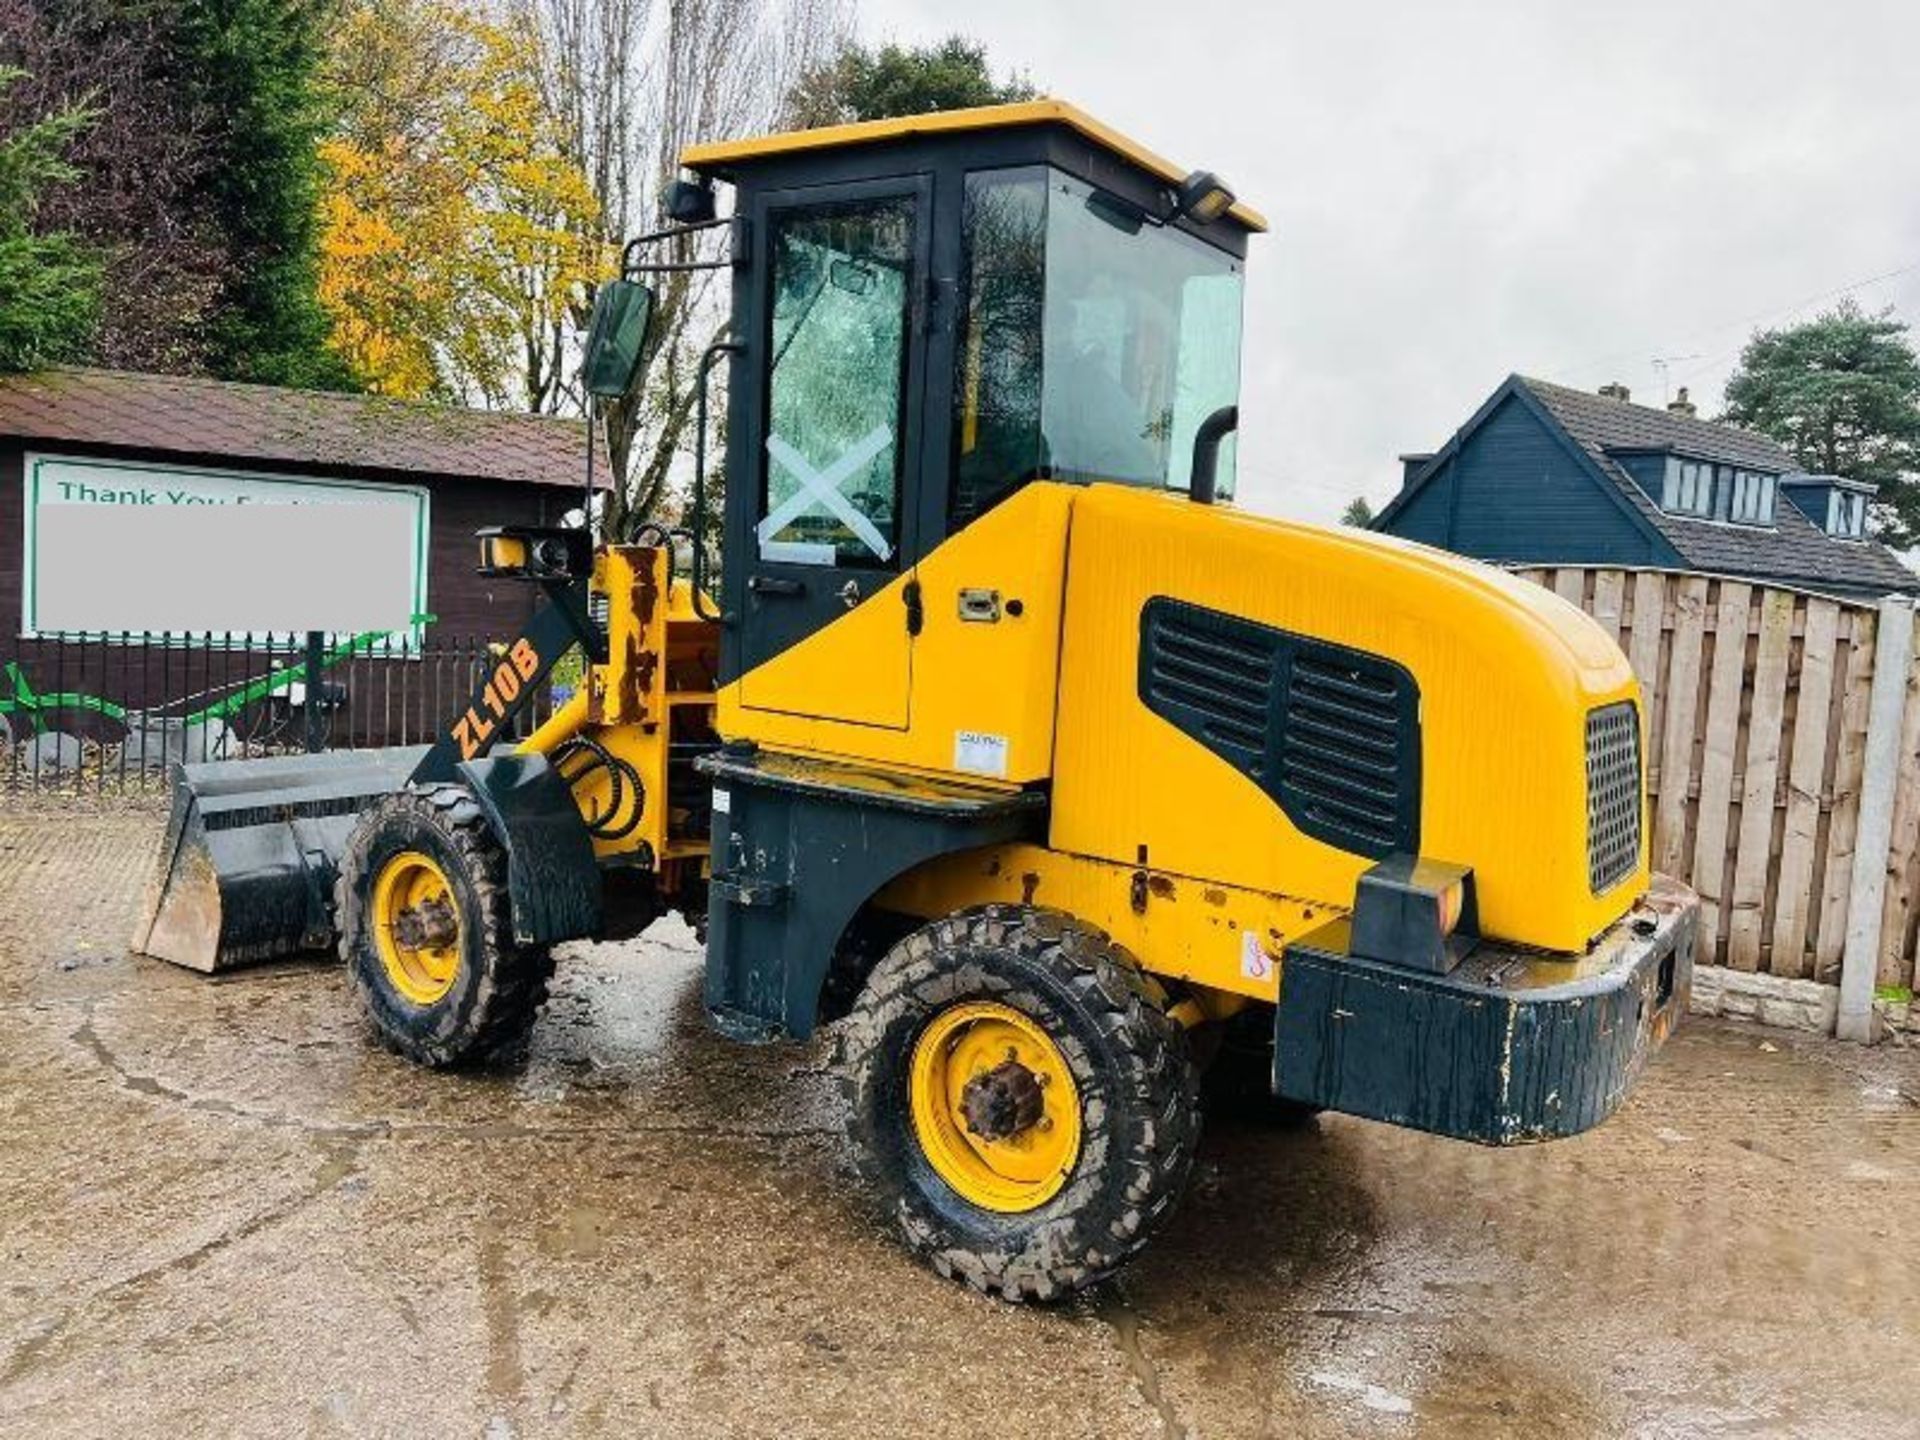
(223, 1212)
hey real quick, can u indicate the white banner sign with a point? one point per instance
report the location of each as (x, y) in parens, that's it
(117, 546)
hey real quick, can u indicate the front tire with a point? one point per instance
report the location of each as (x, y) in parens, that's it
(1020, 1099)
(425, 930)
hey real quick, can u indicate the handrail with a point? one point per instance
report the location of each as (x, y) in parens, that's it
(712, 353)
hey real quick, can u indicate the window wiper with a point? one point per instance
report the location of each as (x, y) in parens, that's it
(799, 324)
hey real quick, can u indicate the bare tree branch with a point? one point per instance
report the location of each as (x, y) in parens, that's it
(634, 83)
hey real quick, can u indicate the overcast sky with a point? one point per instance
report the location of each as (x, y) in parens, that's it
(1462, 190)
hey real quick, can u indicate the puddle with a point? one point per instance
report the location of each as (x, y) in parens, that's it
(1373, 1397)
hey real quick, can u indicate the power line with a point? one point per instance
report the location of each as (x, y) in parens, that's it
(1749, 320)
(1733, 350)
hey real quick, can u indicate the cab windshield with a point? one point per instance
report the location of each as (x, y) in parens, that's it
(1093, 342)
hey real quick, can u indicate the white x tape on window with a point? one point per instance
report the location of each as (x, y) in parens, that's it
(822, 486)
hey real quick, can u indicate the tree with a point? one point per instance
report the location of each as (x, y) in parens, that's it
(1358, 513)
(1842, 394)
(458, 232)
(540, 218)
(137, 162)
(862, 84)
(255, 65)
(490, 160)
(49, 282)
(633, 83)
(395, 214)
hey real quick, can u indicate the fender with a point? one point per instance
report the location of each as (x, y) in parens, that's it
(799, 846)
(553, 882)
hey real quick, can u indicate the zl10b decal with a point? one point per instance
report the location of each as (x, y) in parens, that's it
(473, 729)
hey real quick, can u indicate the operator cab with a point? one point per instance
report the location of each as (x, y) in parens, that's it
(930, 312)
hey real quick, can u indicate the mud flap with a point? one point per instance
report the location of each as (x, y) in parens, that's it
(1509, 1047)
(553, 880)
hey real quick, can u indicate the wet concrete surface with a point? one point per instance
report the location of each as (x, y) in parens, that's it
(222, 1211)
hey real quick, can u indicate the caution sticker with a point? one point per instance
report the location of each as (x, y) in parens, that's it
(1255, 964)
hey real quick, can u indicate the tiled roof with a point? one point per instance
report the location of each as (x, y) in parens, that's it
(1599, 422)
(219, 418)
(1793, 550)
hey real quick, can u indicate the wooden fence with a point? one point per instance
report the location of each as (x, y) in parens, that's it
(1759, 703)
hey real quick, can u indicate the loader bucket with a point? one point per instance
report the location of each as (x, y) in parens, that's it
(246, 868)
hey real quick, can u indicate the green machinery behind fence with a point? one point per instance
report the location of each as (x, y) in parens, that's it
(34, 706)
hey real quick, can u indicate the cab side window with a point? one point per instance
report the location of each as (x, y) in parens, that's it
(996, 419)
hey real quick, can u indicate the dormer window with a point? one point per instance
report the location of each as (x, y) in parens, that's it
(1847, 514)
(1702, 490)
(1689, 488)
(1752, 501)
(1836, 504)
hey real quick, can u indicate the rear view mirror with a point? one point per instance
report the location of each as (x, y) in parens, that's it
(616, 337)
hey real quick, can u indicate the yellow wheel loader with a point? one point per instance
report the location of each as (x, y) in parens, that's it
(999, 736)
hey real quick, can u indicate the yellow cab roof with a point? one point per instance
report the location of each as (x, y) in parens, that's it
(720, 155)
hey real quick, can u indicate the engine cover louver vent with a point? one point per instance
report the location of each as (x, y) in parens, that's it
(1614, 795)
(1332, 734)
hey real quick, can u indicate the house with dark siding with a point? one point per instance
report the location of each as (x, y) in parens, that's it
(1546, 475)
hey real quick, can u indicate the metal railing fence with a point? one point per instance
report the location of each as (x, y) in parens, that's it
(109, 713)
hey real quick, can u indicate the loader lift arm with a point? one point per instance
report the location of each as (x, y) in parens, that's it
(560, 562)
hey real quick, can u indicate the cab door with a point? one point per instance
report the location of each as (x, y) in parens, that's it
(840, 364)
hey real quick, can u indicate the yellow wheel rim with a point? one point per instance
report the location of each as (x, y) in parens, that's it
(1023, 1160)
(416, 926)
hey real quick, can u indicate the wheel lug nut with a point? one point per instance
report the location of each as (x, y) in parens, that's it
(1045, 1122)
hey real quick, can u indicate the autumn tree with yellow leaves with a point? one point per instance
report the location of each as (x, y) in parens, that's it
(491, 158)
(461, 239)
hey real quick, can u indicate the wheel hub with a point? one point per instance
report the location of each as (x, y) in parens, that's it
(416, 927)
(1002, 1102)
(994, 1105)
(430, 925)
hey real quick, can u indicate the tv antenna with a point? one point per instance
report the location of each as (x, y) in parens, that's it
(1664, 364)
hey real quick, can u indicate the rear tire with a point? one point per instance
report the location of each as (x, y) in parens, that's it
(1121, 1057)
(470, 1000)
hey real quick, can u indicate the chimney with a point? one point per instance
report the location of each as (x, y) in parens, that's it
(1614, 390)
(1681, 405)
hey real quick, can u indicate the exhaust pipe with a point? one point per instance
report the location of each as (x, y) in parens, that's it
(1202, 478)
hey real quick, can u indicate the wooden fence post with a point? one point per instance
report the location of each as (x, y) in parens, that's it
(1866, 895)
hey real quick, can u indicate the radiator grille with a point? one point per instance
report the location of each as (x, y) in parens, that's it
(1613, 795)
(1332, 734)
